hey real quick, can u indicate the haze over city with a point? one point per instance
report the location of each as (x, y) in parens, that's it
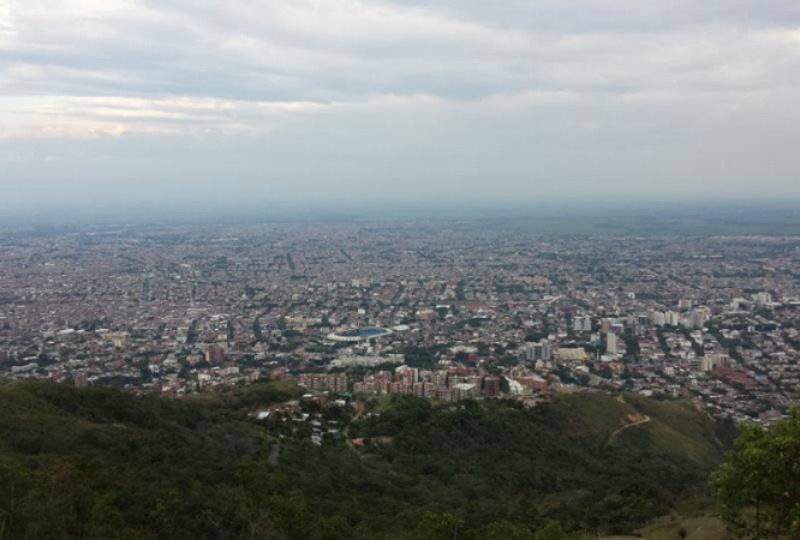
(121, 104)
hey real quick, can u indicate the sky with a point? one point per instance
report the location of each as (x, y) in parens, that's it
(152, 103)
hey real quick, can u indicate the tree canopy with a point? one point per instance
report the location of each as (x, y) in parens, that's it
(758, 486)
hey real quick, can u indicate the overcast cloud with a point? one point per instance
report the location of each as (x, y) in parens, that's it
(119, 101)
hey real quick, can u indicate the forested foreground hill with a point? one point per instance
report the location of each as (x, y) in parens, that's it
(100, 463)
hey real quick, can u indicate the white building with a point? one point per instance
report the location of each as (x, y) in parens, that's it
(611, 343)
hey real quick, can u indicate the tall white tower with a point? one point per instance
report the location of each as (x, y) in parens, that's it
(611, 343)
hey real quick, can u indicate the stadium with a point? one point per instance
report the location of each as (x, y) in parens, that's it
(359, 334)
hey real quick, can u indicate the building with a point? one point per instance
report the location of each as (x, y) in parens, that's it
(533, 382)
(697, 319)
(714, 361)
(357, 335)
(672, 318)
(27, 368)
(80, 379)
(582, 324)
(763, 298)
(605, 325)
(336, 382)
(542, 351)
(611, 343)
(118, 339)
(367, 361)
(658, 318)
(464, 391)
(477, 382)
(215, 355)
(491, 386)
(407, 374)
(572, 355)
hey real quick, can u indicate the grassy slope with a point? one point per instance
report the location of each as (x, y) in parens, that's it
(675, 428)
(697, 528)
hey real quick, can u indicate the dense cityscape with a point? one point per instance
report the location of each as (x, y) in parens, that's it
(442, 311)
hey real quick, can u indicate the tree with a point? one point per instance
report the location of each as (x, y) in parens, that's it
(758, 486)
(505, 530)
(438, 526)
(552, 531)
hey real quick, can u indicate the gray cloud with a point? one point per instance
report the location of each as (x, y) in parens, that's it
(118, 100)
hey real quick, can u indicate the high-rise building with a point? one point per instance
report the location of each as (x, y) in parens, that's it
(672, 318)
(491, 386)
(527, 353)
(697, 319)
(582, 324)
(763, 298)
(336, 382)
(407, 374)
(542, 351)
(611, 343)
(464, 391)
(477, 382)
(605, 325)
(215, 355)
(714, 361)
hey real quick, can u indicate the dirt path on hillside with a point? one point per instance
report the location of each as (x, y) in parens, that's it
(626, 426)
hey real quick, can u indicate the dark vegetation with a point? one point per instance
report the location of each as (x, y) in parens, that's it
(99, 463)
(758, 486)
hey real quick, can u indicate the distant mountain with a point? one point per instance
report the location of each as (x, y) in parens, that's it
(100, 463)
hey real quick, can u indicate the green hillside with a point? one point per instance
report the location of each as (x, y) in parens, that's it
(558, 458)
(99, 463)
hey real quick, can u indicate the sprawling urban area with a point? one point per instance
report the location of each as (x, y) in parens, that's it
(443, 311)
